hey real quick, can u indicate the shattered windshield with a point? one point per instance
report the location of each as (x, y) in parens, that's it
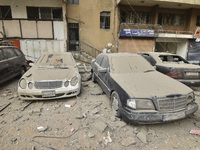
(172, 59)
(55, 61)
(130, 64)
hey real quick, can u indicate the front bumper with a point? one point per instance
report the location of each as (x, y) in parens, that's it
(153, 117)
(38, 94)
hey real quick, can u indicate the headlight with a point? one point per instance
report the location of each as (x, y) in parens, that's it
(140, 104)
(66, 84)
(22, 83)
(190, 97)
(30, 85)
(74, 81)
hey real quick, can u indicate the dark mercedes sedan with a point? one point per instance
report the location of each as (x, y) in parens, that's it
(140, 94)
(174, 66)
(12, 63)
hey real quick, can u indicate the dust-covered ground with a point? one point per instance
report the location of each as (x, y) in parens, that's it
(88, 125)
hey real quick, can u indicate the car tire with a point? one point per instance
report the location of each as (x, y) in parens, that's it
(93, 77)
(115, 104)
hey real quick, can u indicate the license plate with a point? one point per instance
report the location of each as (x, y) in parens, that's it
(175, 116)
(192, 74)
(48, 93)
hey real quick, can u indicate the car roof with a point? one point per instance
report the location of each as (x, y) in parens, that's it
(119, 54)
(157, 53)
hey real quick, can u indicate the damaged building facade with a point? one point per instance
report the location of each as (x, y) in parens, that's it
(34, 26)
(129, 25)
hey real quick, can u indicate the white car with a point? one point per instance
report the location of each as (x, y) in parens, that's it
(54, 75)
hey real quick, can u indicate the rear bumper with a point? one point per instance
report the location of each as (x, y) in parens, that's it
(153, 117)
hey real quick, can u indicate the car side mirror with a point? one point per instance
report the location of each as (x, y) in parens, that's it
(103, 70)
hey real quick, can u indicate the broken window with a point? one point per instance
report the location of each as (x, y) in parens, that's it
(72, 1)
(5, 12)
(171, 20)
(105, 20)
(198, 21)
(135, 17)
(44, 13)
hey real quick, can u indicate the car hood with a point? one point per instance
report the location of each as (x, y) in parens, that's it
(179, 65)
(35, 74)
(150, 84)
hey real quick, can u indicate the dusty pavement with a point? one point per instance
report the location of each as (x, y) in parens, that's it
(88, 125)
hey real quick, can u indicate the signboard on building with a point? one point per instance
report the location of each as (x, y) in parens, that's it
(197, 34)
(138, 32)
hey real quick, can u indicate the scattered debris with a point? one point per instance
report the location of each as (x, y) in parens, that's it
(41, 128)
(128, 141)
(72, 129)
(13, 140)
(195, 131)
(97, 93)
(26, 105)
(91, 135)
(17, 118)
(37, 110)
(4, 95)
(4, 107)
(100, 126)
(142, 136)
(107, 139)
(70, 105)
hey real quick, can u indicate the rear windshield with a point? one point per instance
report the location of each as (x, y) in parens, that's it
(129, 64)
(56, 60)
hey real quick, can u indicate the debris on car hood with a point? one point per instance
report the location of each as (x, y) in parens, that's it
(149, 86)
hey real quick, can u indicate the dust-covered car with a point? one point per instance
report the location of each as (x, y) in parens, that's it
(54, 75)
(174, 66)
(12, 63)
(140, 94)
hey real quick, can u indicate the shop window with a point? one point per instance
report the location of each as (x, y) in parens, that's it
(44, 13)
(72, 1)
(135, 17)
(198, 21)
(5, 12)
(171, 20)
(105, 20)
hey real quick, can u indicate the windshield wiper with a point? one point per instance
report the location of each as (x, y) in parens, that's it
(148, 71)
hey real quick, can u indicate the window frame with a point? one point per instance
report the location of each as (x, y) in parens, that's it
(104, 21)
(5, 14)
(73, 2)
(37, 15)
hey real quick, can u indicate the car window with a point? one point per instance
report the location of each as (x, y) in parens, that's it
(172, 58)
(9, 53)
(99, 59)
(129, 64)
(149, 59)
(2, 57)
(18, 52)
(105, 62)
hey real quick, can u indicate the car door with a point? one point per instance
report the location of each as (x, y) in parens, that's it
(96, 66)
(103, 74)
(4, 69)
(11, 60)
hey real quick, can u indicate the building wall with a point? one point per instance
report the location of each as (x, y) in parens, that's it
(18, 7)
(87, 14)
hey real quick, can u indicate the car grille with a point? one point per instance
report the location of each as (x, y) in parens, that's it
(172, 103)
(48, 84)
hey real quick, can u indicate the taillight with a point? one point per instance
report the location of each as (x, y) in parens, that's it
(175, 74)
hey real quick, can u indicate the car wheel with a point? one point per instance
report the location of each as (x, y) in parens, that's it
(93, 77)
(115, 102)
